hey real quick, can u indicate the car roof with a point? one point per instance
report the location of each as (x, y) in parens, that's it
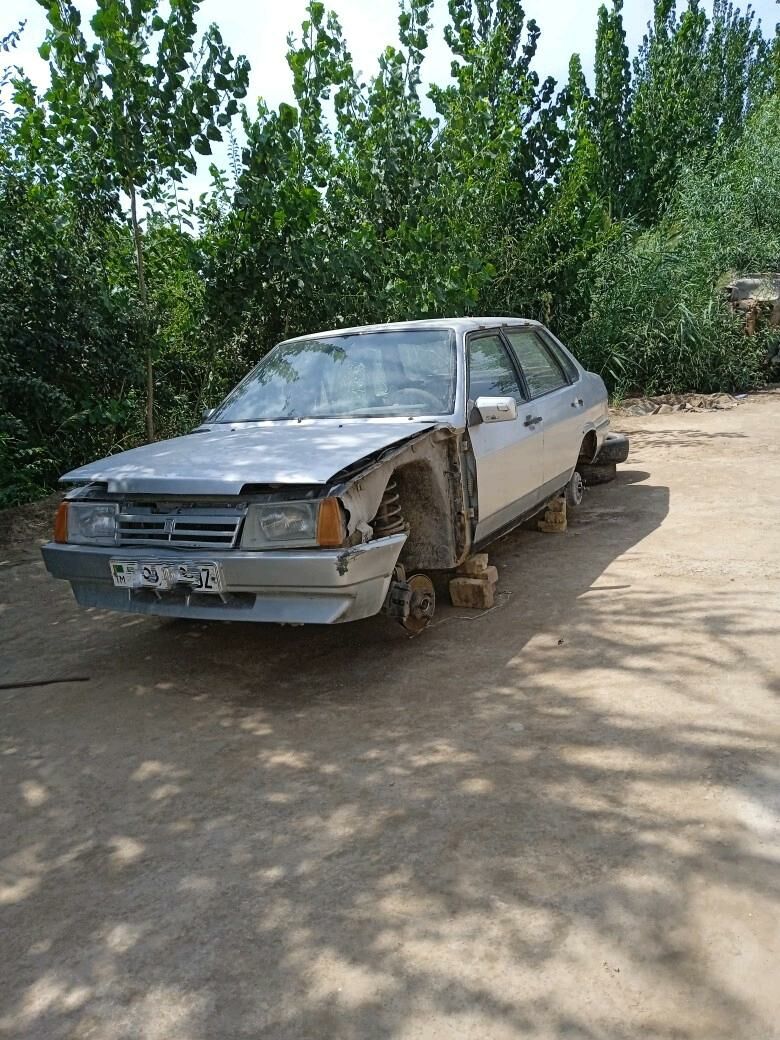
(455, 324)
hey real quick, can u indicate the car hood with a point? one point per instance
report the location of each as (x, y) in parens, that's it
(220, 460)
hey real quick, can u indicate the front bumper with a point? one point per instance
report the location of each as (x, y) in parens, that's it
(294, 586)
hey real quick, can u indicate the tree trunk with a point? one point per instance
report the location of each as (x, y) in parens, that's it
(139, 259)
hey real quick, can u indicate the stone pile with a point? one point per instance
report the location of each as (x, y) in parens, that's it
(474, 584)
(667, 403)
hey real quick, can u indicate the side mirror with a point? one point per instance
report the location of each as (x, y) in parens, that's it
(496, 409)
(207, 413)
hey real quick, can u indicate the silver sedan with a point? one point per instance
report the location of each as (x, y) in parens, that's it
(342, 473)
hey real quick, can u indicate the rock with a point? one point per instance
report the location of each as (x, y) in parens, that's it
(762, 287)
(667, 403)
(722, 401)
(637, 406)
(476, 593)
(557, 506)
(554, 521)
(547, 528)
(475, 566)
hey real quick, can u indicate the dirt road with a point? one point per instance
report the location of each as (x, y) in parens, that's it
(557, 820)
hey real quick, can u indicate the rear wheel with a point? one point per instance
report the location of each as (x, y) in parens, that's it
(574, 490)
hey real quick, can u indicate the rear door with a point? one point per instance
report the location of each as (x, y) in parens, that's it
(508, 454)
(555, 397)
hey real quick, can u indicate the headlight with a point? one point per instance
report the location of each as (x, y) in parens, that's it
(293, 524)
(91, 523)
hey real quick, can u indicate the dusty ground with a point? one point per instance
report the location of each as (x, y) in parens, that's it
(556, 820)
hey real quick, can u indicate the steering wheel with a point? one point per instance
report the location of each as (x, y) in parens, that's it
(413, 395)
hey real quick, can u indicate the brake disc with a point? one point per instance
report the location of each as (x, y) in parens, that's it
(421, 605)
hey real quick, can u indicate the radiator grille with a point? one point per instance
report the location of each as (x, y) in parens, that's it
(185, 528)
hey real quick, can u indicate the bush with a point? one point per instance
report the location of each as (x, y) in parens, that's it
(67, 339)
(653, 315)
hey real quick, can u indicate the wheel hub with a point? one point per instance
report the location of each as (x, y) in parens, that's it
(575, 489)
(421, 605)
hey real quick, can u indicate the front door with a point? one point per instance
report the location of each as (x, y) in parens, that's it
(508, 454)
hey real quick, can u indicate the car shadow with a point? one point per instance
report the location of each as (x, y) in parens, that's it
(526, 559)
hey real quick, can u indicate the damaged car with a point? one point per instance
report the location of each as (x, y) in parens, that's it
(340, 476)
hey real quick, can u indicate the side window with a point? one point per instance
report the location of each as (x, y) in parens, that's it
(490, 371)
(563, 359)
(542, 372)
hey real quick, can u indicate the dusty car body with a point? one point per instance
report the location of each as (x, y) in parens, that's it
(344, 463)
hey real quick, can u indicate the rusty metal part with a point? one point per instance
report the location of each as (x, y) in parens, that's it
(421, 605)
(389, 518)
(399, 595)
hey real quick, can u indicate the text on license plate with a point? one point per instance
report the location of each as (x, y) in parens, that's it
(194, 575)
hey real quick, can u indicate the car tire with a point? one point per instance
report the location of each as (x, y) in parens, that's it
(614, 449)
(597, 473)
(574, 489)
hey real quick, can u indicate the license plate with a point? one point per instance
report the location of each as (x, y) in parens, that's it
(196, 576)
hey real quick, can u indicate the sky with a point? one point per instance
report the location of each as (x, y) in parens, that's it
(259, 28)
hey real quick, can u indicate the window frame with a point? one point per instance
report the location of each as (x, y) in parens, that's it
(496, 332)
(560, 351)
(534, 330)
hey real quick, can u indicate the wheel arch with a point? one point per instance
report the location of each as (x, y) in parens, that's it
(426, 507)
(589, 447)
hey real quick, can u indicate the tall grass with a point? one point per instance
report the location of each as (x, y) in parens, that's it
(655, 317)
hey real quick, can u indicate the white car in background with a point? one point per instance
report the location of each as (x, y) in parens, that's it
(339, 476)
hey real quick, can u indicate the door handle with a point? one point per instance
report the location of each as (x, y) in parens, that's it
(532, 420)
(577, 403)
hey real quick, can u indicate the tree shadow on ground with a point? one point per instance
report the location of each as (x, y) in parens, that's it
(506, 827)
(679, 439)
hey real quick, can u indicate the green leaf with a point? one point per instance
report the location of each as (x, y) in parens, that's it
(288, 115)
(202, 146)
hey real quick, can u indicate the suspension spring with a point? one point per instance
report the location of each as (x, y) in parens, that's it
(389, 519)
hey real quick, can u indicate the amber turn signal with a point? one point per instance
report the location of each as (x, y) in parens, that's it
(330, 524)
(61, 523)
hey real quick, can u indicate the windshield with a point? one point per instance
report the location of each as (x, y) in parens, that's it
(367, 375)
